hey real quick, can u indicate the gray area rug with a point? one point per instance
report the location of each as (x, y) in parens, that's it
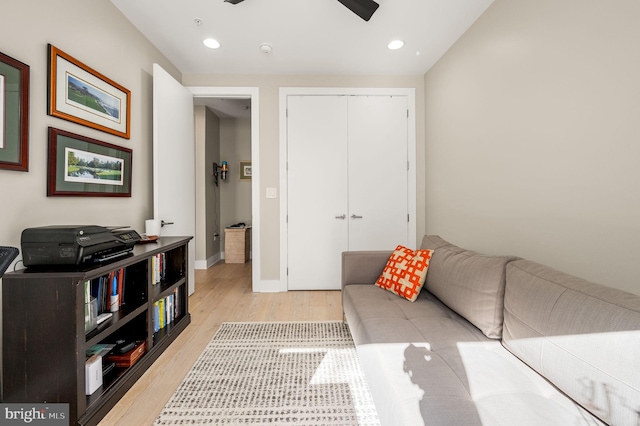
(302, 373)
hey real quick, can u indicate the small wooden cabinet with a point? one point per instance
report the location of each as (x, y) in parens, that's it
(44, 338)
(237, 244)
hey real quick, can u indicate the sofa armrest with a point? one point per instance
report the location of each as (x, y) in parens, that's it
(363, 267)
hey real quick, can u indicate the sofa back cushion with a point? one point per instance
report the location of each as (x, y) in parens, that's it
(470, 283)
(583, 337)
(432, 242)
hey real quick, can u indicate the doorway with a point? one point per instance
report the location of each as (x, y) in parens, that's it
(235, 198)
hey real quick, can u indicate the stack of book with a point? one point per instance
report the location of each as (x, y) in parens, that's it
(103, 287)
(166, 310)
(158, 268)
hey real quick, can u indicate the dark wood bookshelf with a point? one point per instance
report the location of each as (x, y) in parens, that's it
(44, 339)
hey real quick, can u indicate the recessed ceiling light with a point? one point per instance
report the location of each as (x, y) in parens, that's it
(266, 48)
(395, 44)
(211, 43)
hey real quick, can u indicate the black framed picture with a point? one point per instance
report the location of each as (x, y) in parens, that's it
(84, 167)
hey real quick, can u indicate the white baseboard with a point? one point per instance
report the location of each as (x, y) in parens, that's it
(206, 264)
(268, 286)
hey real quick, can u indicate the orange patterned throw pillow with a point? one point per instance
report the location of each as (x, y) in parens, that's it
(405, 272)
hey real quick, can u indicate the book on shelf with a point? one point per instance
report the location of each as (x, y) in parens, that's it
(156, 316)
(103, 287)
(161, 309)
(158, 268)
(166, 310)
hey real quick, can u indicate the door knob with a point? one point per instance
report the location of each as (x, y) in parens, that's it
(163, 223)
(342, 216)
(355, 216)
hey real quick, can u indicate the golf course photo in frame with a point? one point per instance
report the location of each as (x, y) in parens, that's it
(82, 95)
(81, 166)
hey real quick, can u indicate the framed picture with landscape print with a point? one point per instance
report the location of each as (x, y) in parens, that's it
(81, 94)
(14, 114)
(85, 167)
(245, 170)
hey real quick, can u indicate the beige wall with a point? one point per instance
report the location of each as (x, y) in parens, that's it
(207, 135)
(235, 195)
(95, 33)
(200, 135)
(269, 86)
(532, 137)
(212, 193)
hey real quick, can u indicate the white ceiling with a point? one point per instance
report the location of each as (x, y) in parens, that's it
(307, 36)
(226, 107)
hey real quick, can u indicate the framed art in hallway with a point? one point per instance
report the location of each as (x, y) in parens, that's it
(81, 166)
(14, 114)
(245, 170)
(82, 95)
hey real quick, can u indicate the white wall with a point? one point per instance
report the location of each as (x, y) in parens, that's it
(533, 137)
(96, 33)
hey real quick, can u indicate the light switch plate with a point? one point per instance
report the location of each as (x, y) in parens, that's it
(272, 193)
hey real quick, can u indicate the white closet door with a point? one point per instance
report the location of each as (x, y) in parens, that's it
(317, 190)
(378, 175)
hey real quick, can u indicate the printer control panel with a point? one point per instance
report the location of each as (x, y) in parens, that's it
(129, 236)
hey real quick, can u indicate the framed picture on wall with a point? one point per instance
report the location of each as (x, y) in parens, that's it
(82, 95)
(85, 167)
(14, 114)
(245, 170)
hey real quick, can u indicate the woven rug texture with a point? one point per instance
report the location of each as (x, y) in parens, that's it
(277, 373)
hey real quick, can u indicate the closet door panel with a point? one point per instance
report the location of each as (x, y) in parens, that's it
(317, 191)
(377, 149)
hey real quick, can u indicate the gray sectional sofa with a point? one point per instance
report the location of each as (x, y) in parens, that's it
(494, 340)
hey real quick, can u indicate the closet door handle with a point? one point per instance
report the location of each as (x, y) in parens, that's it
(342, 216)
(355, 216)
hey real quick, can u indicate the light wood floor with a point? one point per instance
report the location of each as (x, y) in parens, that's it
(222, 294)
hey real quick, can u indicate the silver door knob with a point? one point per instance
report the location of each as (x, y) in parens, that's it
(355, 216)
(342, 216)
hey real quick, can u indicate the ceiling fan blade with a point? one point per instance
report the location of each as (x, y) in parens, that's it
(362, 8)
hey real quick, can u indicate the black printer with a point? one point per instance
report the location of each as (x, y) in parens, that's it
(75, 245)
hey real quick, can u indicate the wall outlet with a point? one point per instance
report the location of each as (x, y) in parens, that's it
(216, 236)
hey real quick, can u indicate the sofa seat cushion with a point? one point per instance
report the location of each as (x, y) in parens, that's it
(583, 337)
(425, 364)
(377, 316)
(471, 383)
(470, 283)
